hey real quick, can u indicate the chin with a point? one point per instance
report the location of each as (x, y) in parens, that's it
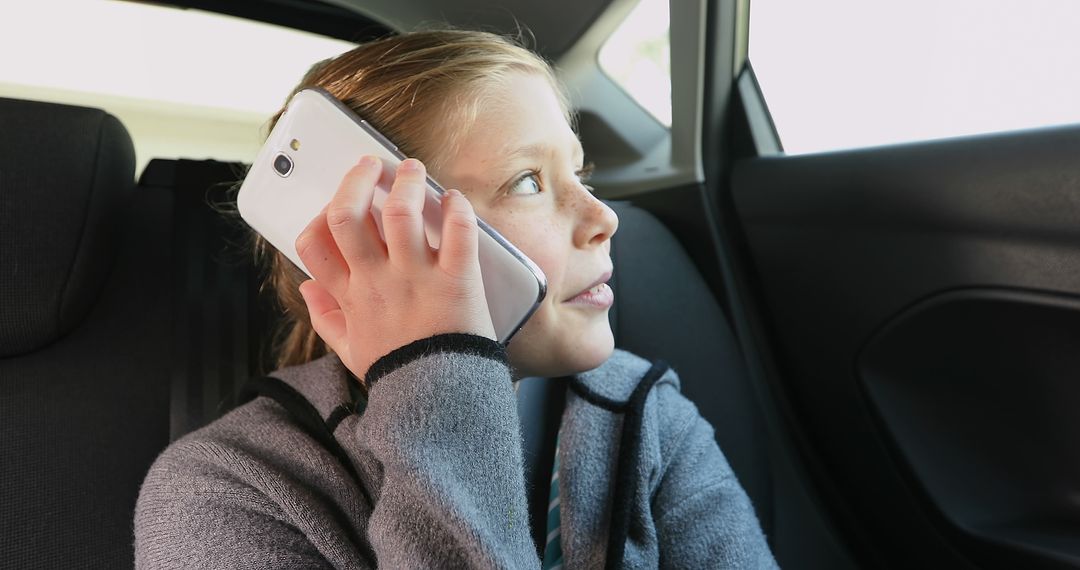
(561, 354)
(592, 351)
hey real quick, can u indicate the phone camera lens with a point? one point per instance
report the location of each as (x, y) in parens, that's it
(283, 165)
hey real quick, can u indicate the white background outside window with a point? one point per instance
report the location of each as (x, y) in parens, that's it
(185, 83)
(850, 73)
(637, 56)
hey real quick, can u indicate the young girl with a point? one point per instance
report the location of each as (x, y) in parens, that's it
(395, 439)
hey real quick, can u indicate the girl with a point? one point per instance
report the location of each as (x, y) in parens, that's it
(394, 438)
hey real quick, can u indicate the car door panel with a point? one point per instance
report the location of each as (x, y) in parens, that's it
(922, 304)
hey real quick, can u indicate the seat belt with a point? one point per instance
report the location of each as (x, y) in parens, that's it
(304, 414)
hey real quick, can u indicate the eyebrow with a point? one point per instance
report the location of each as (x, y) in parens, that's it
(528, 151)
(537, 149)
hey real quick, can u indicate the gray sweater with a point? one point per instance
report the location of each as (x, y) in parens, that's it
(438, 453)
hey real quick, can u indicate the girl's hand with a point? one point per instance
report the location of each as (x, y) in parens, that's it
(370, 297)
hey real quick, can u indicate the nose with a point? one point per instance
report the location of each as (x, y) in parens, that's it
(597, 222)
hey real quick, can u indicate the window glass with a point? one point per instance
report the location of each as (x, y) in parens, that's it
(637, 56)
(851, 73)
(184, 82)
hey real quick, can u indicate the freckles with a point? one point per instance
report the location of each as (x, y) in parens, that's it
(563, 200)
(571, 205)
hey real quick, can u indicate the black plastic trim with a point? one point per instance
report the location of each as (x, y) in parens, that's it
(313, 16)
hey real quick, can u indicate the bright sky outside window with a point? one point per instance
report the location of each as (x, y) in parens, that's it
(638, 57)
(849, 73)
(157, 53)
(185, 83)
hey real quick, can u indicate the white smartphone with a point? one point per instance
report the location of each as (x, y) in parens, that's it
(299, 168)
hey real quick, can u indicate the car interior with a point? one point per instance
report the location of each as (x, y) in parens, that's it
(884, 339)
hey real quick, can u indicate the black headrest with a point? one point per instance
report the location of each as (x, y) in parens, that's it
(64, 175)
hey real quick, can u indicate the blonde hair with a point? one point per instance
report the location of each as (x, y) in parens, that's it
(422, 90)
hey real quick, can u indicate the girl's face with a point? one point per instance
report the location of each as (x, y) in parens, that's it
(520, 166)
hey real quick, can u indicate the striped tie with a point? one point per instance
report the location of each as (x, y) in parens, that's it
(553, 558)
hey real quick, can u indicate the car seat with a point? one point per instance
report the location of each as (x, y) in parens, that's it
(84, 336)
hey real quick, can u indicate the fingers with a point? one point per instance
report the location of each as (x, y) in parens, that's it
(348, 215)
(326, 315)
(403, 219)
(458, 247)
(319, 254)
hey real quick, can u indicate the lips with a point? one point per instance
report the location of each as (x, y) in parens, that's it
(603, 279)
(597, 294)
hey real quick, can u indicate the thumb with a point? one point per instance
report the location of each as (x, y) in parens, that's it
(326, 316)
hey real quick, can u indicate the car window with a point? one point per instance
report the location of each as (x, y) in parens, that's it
(185, 83)
(637, 57)
(850, 73)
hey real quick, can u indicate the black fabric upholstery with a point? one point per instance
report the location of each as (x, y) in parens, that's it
(665, 310)
(221, 322)
(64, 173)
(85, 348)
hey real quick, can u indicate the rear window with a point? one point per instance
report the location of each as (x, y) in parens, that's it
(637, 56)
(185, 83)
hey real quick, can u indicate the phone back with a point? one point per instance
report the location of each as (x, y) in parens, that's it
(323, 139)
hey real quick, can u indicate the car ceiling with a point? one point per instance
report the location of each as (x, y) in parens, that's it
(555, 24)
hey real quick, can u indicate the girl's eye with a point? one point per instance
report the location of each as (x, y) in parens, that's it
(528, 184)
(585, 174)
